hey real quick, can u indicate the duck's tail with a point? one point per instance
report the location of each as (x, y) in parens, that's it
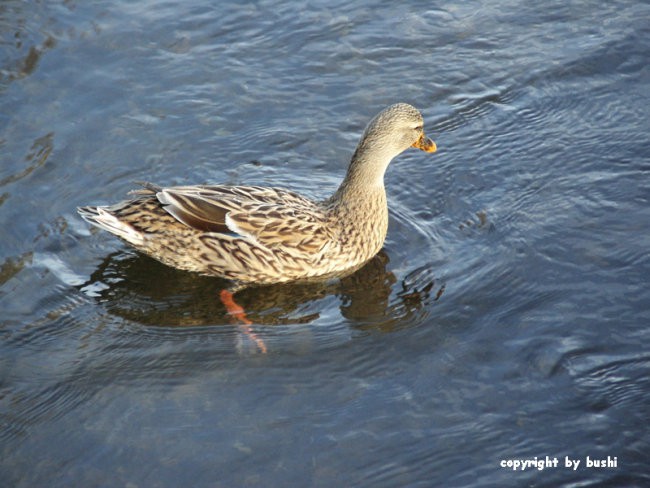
(102, 218)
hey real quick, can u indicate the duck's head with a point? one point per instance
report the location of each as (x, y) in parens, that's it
(392, 131)
(396, 128)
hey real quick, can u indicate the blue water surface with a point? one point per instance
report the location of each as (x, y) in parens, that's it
(507, 317)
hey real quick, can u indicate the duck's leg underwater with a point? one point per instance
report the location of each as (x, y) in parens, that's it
(237, 312)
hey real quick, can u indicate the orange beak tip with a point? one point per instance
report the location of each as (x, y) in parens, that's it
(425, 144)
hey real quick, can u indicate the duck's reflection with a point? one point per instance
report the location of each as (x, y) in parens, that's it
(142, 290)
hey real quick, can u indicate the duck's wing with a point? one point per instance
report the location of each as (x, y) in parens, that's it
(269, 216)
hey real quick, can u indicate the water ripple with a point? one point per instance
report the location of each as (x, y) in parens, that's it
(511, 294)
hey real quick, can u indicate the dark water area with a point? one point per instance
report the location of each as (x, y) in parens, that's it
(507, 317)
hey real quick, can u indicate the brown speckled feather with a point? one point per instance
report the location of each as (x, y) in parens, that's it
(252, 234)
(272, 217)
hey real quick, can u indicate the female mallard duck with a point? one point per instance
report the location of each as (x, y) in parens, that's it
(255, 235)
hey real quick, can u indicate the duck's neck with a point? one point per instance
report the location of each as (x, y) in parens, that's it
(365, 174)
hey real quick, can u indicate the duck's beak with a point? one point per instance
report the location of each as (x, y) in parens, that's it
(425, 144)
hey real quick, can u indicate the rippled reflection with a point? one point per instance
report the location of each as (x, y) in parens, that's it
(142, 290)
(511, 320)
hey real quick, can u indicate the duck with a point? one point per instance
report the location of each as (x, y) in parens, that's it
(254, 235)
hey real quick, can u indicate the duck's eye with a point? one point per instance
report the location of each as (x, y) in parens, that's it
(418, 128)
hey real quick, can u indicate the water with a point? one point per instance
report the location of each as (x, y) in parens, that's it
(506, 318)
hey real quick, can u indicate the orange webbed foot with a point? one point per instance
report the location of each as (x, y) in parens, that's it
(237, 312)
